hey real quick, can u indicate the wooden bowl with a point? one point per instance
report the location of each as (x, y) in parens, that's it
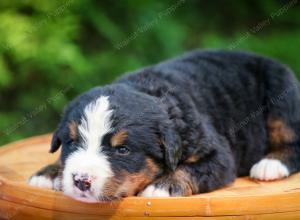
(245, 199)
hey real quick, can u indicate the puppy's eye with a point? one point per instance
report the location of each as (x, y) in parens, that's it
(71, 141)
(123, 150)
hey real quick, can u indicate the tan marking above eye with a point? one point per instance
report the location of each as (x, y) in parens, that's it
(192, 159)
(73, 126)
(119, 138)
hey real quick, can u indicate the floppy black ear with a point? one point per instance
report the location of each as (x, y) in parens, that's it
(172, 147)
(55, 143)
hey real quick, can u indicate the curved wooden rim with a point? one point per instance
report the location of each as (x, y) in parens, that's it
(210, 204)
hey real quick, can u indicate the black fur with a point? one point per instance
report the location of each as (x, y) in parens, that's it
(212, 105)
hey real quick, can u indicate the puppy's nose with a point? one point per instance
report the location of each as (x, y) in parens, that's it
(82, 183)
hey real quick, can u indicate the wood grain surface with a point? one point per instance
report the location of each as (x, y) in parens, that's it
(245, 199)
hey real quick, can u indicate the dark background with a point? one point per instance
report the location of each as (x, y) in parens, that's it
(50, 51)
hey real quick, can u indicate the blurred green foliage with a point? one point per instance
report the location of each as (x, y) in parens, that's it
(50, 51)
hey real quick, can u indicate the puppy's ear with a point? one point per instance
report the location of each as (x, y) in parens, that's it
(56, 142)
(172, 147)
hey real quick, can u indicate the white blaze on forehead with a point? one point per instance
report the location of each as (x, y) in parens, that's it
(95, 123)
(89, 160)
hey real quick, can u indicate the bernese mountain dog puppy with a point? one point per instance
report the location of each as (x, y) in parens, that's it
(185, 126)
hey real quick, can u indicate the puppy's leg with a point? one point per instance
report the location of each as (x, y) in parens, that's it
(195, 175)
(284, 156)
(48, 177)
(283, 126)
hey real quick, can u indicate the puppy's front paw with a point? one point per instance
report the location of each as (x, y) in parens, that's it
(48, 177)
(46, 182)
(154, 191)
(41, 182)
(269, 169)
(168, 186)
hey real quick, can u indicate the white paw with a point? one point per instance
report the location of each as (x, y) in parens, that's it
(57, 184)
(153, 191)
(41, 182)
(269, 169)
